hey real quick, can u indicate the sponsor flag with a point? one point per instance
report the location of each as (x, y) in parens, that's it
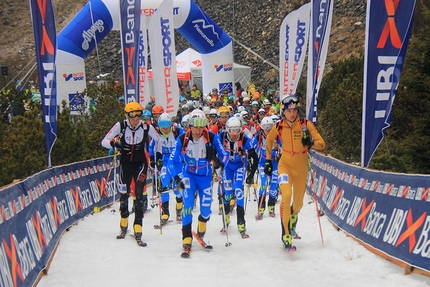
(130, 38)
(321, 17)
(45, 39)
(387, 34)
(294, 34)
(144, 93)
(163, 58)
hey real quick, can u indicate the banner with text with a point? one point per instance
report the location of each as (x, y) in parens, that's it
(163, 58)
(45, 39)
(293, 36)
(321, 18)
(36, 211)
(388, 211)
(387, 34)
(130, 40)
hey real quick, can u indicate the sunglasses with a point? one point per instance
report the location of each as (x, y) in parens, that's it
(134, 114)
(213, 116)
(155, 116)
(262, 113)
(146, 119)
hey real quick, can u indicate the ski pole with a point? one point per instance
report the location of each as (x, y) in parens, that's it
(159, 197)
(114, 178)
(315, 198)
(228, 243)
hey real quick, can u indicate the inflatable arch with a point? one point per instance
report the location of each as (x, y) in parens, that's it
(98, 17)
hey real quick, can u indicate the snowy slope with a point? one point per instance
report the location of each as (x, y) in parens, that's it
(90, 255)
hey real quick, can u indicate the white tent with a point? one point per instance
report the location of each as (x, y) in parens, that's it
(242, 74)
(186, 60)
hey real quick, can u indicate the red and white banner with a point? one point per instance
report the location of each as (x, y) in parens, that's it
(293, 41)
(144, 93)
(163, 58)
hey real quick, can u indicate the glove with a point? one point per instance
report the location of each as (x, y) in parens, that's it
(308, 142)
(179, 184)
(115, 143)
(159, 164)
(240, 152)
(268, 167)
(217, 163)
(152, 161)
(250, 179)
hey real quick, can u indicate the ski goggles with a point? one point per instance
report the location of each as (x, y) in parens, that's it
(165, 124)
(134, 114)
(267, 127)
(290, 102)
(234, 130)
(262, 113)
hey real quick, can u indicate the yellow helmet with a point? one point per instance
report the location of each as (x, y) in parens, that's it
(224, 110)
(133, 106)
(273, 111)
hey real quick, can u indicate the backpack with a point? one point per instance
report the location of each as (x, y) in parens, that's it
(208, 138)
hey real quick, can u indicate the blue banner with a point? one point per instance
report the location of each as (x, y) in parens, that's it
(387, 34)
(388, 211)
(321, 18)
(36, 211)
(45, 38)
(130, 40)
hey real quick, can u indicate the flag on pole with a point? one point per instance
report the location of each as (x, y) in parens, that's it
(130, 38)
(163, 58)
(387, 34)
(321, 17)
(144, 93)
(45, 39)
(294, 34)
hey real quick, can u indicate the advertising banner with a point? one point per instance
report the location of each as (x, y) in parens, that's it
(387, 35)
(388, 211)
(45, 39)
(130, 42)
(36, 211)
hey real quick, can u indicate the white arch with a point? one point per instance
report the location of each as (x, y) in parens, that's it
(98, 17)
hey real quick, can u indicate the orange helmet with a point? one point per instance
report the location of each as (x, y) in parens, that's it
(256, 95)
(157, 109)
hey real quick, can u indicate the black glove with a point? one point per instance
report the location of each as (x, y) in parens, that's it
(179, 183)
(115, 143)
(217, 163)
(152, 161)
(308, 141)
(240, 152)
(250, 179)
(268, 167)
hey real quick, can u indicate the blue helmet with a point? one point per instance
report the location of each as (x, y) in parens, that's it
(146, 114)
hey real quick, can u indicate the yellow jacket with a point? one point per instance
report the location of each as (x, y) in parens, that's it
(291, 138)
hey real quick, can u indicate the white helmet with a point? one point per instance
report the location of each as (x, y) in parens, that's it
(244, 94)
(240, 109)
(246, 99)
(238, 116)
(255, 104)
(266, 102)
(184, 121)
(233, 125)
(244, 114)
(198, 119)
(213, 112)
(267, 123)
(208, 99)
(206, 110)
(196, 104)
(275, 118)
(164, 121)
